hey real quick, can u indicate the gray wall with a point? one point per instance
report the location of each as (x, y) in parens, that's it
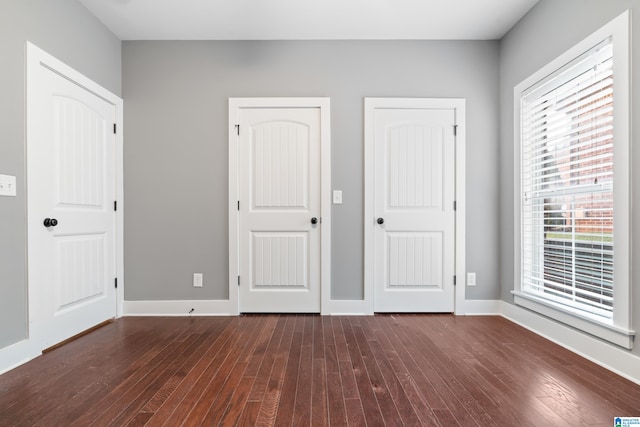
(176, 147)
(65, 29)
(548, 30)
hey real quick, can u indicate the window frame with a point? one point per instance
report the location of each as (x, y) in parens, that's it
(618, 329)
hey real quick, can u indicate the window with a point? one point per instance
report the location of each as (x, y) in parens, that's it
(573, 196)
(567, 184)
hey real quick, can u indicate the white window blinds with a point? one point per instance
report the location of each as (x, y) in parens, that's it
(567, 172)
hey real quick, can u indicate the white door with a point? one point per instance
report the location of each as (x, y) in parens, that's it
(414, 170)
(71, 192)
(279, 209)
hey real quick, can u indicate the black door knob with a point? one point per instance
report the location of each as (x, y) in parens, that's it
(314, 220)
(380, 221)
(50, 222)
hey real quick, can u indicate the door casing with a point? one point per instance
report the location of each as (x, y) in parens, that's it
(456, 104)
(37, 58)
(235, 106)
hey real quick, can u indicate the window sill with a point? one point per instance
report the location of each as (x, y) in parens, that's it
(611, 333)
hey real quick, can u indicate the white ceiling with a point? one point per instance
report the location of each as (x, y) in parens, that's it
(308, 19)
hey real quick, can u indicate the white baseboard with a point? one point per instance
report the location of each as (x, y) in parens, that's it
(482, 307)
(363, 308)
(17, 354)
(223, 308)
(180, 308)
(331, 308)
(609, 356)
(347, 308)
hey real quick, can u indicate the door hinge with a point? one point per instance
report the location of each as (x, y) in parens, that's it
(116, 282)
(455, 205)
(238, 204)
(114, 128)
(455, 130)
(115, 205)
(238, 280)
(454, 280)
(238, 130)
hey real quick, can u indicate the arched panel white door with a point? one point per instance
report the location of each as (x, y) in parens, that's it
(71, 179)
(414, 193)
(279, 210)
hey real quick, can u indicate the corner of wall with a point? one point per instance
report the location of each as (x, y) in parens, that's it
(482, 307)
(17, 354)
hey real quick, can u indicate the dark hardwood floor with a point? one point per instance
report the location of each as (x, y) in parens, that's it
(298, 370)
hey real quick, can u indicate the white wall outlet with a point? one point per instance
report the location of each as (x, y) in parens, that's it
(471, 279)
(7, 185)
(197, 280)
(337, 197)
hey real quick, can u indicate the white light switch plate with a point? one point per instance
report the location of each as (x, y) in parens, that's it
(7, 185)
(337, 197)
(197, 280)
(471, 279)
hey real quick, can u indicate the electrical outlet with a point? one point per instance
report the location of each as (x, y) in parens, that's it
(197, 280)
(471, 279)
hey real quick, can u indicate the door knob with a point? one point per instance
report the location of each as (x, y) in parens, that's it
(50, 222)
(380, 221)
(314, 220)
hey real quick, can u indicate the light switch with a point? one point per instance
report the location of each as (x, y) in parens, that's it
(471, 279)
(337, 197)
(7, 185)
(197, 280)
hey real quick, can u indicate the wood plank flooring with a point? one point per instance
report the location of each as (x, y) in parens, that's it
(301, 370)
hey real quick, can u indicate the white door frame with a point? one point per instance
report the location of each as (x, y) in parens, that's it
(458, 106)
(37, 58)
(235, 104)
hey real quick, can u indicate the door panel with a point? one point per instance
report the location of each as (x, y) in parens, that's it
(79, 150)
(414, 193)
(280, 165)
(414, 260)
(71, 177)
(81, 267)
(279, 173)
(280, 260)
(415, 167)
